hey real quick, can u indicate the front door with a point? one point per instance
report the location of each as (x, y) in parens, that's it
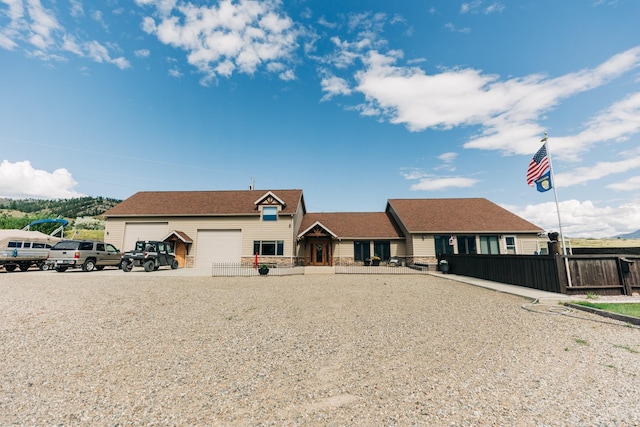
(319, 251)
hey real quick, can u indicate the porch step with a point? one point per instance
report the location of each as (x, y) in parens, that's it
(319, 270)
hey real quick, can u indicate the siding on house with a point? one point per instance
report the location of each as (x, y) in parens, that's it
(253, 228)
(423, 247)
(528, 244)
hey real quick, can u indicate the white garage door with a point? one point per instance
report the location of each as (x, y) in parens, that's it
(218, 246)
(143, 231)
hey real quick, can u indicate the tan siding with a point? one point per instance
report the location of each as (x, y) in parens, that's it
(253, 228)
(114, 232)
(297, 220)
(423, 247)
(528, 245)
(409, 245)
(398, 248)
(343, 249)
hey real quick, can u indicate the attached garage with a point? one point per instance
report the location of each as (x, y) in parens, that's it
(135, 231)
(217, 246)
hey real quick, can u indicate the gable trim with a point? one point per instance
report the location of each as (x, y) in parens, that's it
(312, 226)
(267, 195)
(181, 235)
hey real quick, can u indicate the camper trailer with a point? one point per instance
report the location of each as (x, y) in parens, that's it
(24, 249)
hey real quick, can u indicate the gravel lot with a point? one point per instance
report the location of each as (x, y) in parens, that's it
(107, 349)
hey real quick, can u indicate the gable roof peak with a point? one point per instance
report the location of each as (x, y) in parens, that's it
(270, 199)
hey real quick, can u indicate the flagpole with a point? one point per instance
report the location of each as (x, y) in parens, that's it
(555, 193)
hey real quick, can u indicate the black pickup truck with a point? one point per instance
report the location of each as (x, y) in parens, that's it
(149, 254)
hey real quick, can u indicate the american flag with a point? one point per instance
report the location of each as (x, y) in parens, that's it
(538, 165)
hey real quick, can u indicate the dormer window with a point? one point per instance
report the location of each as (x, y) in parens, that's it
(269, 213)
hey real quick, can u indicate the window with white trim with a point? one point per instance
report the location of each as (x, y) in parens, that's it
(269, 213)
(489, 245)
(510, 242)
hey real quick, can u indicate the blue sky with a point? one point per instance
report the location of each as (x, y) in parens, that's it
(353, 102)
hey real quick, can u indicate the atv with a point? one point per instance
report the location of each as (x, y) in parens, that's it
(149, 254)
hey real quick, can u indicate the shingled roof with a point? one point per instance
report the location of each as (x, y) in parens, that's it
(473, 215)
(205, 203)
(354, 225)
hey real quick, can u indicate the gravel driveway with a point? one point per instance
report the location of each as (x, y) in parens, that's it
(108, 348)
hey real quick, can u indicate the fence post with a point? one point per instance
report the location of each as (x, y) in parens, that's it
(621, 275)
(561, 272)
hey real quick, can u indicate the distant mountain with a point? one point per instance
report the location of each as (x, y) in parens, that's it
(65, 208)
(634, 235)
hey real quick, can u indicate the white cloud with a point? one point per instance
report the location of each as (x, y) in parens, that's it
(494, 7)
(287, 75)
(43, 24)
(231, 36)
(142, 53)
(470, 7)
(478, 6)
(6, 42)
(585, 174)
(99, 53)
(438, 184)
(583, 218)
(617, 123)
(332, 85)
(21, 180)
(457, 97)
(69, 44)
(99, 18)
(630, 184)
(448, 157)
(449, 26)
(33, 24)
(76, 9)
(429, 182)
(507, 111)
(323, 22)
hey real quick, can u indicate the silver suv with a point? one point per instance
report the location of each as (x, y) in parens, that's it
(87, 254)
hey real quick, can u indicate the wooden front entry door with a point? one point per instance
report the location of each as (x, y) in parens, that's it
(319, 251)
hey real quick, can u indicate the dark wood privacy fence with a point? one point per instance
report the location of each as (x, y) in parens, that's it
(607, 274)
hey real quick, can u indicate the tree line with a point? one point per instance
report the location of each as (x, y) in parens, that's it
(65, 208)
(35, 209)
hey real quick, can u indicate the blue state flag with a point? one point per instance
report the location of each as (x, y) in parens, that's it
(544, 182)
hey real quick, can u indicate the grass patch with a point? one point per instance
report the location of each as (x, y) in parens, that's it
(581, 341)
(84, 234)
(626, 347)
(628, 309)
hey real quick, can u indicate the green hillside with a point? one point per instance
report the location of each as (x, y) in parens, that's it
(66, 208)
(18, 213)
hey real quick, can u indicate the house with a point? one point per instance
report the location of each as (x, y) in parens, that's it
(233, 226)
